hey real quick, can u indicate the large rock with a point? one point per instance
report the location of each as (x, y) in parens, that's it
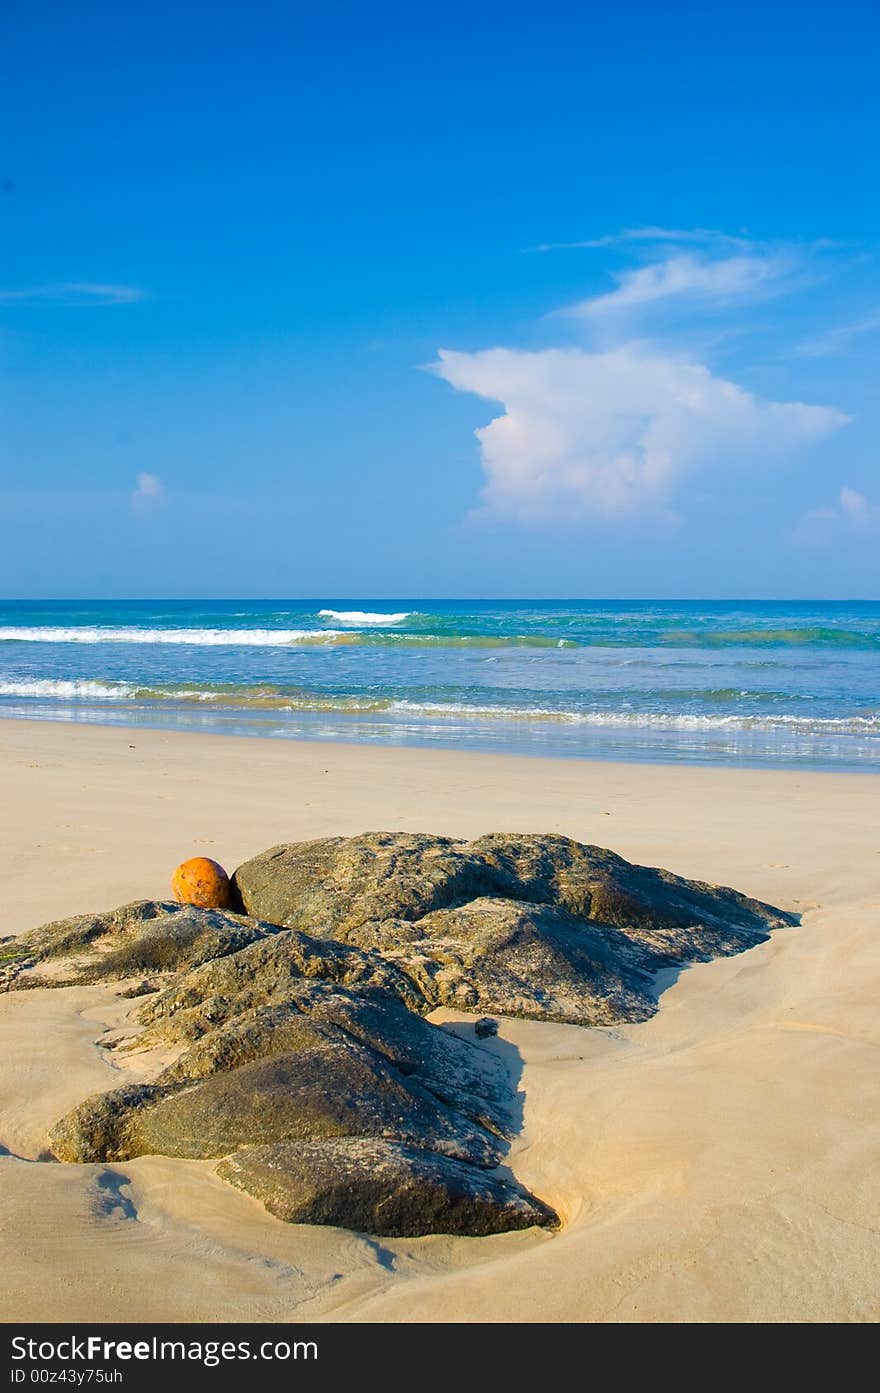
(474, 1082)
(273, 969)
(292, 1037)
(146, 936)
(381, 1187)
(533, 925)
(313, 1083)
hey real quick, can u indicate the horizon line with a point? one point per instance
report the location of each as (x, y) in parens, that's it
(442, 599)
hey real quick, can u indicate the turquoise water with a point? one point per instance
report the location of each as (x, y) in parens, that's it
(783, 684)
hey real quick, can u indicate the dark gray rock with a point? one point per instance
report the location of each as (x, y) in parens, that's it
(528, 960)
(472, 1081)
(324, 1087)
(146, 936)
(535, 926)
(270, 970)
(298, 1051)
(98, 1129)
(381, 1187)
(224, 1032)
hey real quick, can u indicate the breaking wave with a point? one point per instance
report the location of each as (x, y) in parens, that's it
(274, 698)
(360, 616)
(211, 638)
(272, 638)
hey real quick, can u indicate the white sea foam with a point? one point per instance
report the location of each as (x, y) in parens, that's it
(358, 631)
(377, 707)
(360, 616)
(67, 690)
(211, 638)
(657, 720)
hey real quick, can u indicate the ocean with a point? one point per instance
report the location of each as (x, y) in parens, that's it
(780, 684)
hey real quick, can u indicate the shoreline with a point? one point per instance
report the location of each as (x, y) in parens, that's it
(751, 684)
(51, 765)
(452, 743)
(713, 1163)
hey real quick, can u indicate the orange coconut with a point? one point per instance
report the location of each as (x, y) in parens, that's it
(200, 881)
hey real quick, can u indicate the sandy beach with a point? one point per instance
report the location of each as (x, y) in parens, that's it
(716, 1163)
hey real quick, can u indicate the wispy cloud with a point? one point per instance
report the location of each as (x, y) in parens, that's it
(149, 492)
(854, 514)
(74, 293)
(839, 339)
(696, 279)
(610, 433)
(698, 236)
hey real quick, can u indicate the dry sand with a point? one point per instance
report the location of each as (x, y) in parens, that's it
(718, 1163)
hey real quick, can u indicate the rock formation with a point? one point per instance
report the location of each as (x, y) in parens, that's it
(536, 926)
(380, 1187)
(300, 1056)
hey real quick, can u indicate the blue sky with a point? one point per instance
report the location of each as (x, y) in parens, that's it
(267, 271)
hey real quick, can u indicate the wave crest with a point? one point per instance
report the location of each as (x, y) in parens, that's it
(270, 638)
(274, 698)
(211, 638)
(360, 616)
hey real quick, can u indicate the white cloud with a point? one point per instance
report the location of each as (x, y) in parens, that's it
(75, 293)
(614, 432)
(700, 236)
(835, 341)
(854, 514)
(857, 511)
(149, 492)
(688, 277)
